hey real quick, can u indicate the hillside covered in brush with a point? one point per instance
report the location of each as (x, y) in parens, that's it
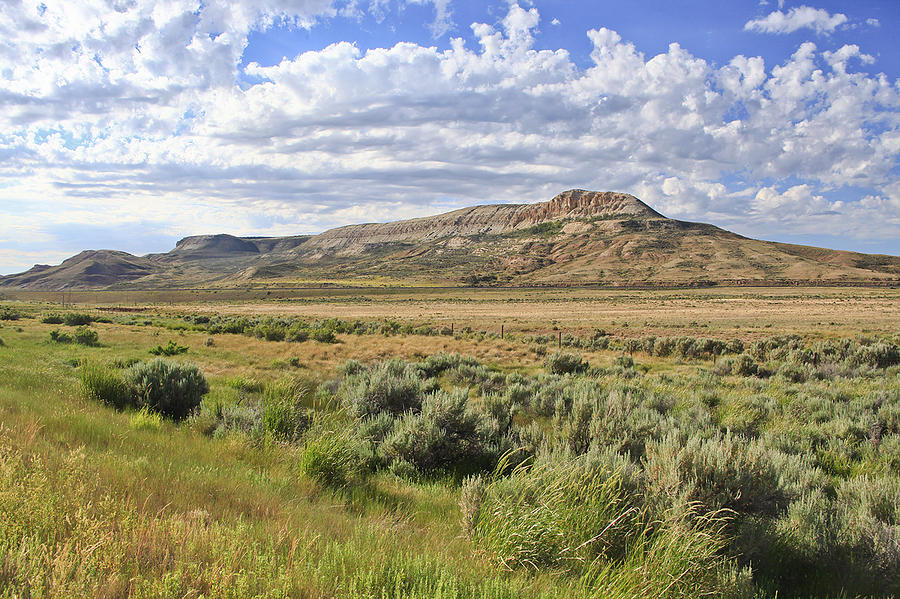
(577, 238)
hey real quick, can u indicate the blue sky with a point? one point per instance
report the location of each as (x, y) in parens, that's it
(128, 124)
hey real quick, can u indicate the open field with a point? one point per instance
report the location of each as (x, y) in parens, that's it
(728, 443)
(742, 312)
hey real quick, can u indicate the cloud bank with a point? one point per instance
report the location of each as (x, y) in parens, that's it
(137, 114)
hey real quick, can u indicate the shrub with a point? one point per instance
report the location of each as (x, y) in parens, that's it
(394, 387)
(446, 434)
(879, 355)
(270, 331)
(106, 385)
(60, 337)
(75, 319)
(9, 313)
(167, 387)
(86, 336)
(436, 364)
(722, 472)
(52, 318)
(324, 336)
(743, 365)
(851, 541)
(219, 420)
(565, 363)
(793, 373)
(169, 349)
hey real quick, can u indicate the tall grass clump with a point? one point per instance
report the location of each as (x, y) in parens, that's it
(167, 387)
(169, 349)
(579, 521)
(106, 385)
(284, 415)
(332, 455)
(556, 515)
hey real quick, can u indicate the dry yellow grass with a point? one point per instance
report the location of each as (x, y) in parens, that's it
(738, 312)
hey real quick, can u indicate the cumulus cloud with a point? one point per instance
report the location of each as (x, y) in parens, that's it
(800, 17)
(145, 116)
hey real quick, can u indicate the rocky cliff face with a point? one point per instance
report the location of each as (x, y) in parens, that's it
(485, 220)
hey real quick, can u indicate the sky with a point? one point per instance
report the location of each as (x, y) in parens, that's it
(129, 124)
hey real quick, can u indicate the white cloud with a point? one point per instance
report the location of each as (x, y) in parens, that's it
(145, 116)
(872, 22)
(443, 16)
(800, 17)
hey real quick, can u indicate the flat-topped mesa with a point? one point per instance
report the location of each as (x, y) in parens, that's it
(490, 219)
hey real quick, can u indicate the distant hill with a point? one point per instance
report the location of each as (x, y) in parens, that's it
(577, 238)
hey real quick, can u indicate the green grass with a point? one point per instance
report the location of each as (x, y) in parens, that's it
(652, 477)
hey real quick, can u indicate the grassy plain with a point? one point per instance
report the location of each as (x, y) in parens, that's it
(95, 502)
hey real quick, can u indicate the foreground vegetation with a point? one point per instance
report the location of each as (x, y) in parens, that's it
(282, 456)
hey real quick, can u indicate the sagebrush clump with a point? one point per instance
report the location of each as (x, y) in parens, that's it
(168, 388)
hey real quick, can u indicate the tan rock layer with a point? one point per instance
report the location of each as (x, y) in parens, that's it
(480, 220)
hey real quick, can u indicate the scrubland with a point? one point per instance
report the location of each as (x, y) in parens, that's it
(609, 444)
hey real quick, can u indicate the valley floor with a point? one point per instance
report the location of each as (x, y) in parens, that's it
(390, 443)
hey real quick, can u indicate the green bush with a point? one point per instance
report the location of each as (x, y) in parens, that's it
(75, 319)
(394, 387)
(52, 318)
(86, 336)
(169, 349)
(58, 336)
(723, 472)
(849, 542)
(446, 434)
(9, 313)
(743, 365)
(219, 420)
(565, 363)
(879, 355)
(167, 387)
(324, 335)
